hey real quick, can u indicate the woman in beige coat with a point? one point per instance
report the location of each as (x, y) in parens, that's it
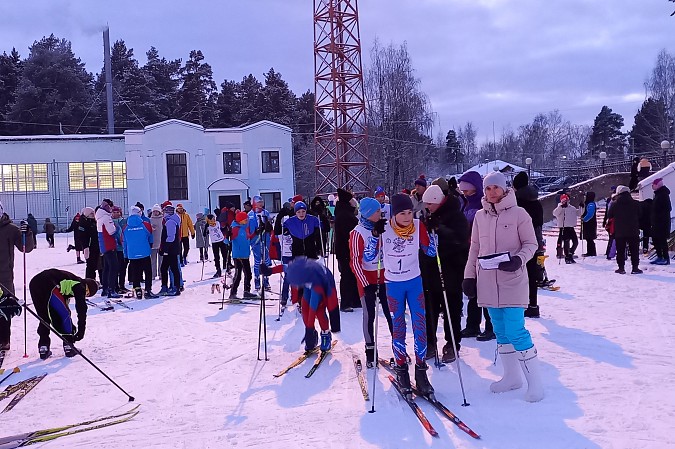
(503, 227)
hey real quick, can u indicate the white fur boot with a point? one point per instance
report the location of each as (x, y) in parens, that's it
(529, 362)
(511, 380)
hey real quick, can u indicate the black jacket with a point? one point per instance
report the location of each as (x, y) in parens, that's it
(626, 215)
(43, 283)
(661, 213)
(318, 209)
(452, 228)
(345, 221)
(528, 198)
(78, 235)
(32, 223)
(10, 238)
(87, 228)
(590, 227)
(646, 216)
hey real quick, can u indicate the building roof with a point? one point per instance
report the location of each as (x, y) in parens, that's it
(197, 127)
(64, 137)
(504, 167)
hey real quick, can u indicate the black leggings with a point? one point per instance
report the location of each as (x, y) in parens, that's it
(368, 302)
(239, 266)
(141, 269)
(185, 241)
(170, 261)
(218, 249)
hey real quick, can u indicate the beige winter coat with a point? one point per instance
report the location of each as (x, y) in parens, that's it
(566, 217)
(498, 228)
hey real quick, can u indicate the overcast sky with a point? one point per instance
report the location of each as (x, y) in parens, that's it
(486, 61)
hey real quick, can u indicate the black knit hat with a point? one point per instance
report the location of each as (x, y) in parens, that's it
(520, 180)
(399, 203)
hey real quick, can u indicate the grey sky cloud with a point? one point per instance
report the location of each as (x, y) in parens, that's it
(488, 61)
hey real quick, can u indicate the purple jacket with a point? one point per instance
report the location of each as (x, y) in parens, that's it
(473, 202)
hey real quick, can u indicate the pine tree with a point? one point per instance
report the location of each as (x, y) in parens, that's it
(278, 101)
(453, 150)
(650, 127)
(133, 103)
(606, 135)
(226, 105)
(10, 75)
(197, 94)
(54, 88)
(249, 101)
(163, 78)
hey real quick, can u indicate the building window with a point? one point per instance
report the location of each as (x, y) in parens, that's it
(177, 177)
(270, 162)
(23, 178)
(272, 201)
(97, 175)
(232, 163)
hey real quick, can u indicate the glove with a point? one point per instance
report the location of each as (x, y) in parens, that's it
(432, 222)
(9, 308)
(268, 227)
(23, 226)
(86, 253)
(378, 229)
(79, 335)
(265, 270)
(512, 265)
(469, 287)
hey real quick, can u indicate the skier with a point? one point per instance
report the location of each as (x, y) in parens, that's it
(214, 233)
(660, 222)
(364, 246)
(286, 243)
(241, 253)
(381, 197)
(471, 186)
(403, 239)
(11, 236)
(449, 223)
(51, 291)
(137, 243)
(503, 227)
(589, 223)
(187, 229)
(527, 197)
(107, 241)
(78, 238)
(319, 296)
(170, 251)
(260, 225)
(566, 216)
(49, 230)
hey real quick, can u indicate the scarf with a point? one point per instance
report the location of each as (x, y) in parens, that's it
(369, 225)
(404, 233)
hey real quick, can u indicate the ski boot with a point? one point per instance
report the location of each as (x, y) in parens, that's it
(139, 293)
(2, 356)
(69, 349)
(532, 312)
(422, 381)
(233, 294)
(403, 380)
(310, 340)
(250, 295)
(149, 295)
(173, 291)
(325, 341)
(112, 294)
(370, 356)
(44, 352)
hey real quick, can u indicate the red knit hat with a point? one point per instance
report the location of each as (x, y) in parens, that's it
(564, 197)
(241, 217)
(296, 198)
(166, 203)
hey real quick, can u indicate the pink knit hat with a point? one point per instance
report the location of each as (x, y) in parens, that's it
(657, 184)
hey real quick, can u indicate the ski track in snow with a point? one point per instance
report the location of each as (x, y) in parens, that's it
(603, 339)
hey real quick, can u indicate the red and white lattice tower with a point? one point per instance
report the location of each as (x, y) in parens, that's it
(340, 135)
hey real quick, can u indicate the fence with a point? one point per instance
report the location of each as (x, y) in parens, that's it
(61, 200)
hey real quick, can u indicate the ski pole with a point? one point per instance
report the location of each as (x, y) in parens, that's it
(14, 371)
(447, 317)
(262, 323)
(377, 303)
(25, 325)
(51, 328)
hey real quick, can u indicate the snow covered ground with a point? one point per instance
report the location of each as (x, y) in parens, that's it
(604, 340)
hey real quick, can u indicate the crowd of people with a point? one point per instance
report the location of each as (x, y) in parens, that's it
(421, 249)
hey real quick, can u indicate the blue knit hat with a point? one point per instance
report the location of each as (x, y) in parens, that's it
(299, 205)
(368, 206)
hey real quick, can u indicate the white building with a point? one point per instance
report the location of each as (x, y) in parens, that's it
(203, 168)
(55, 176)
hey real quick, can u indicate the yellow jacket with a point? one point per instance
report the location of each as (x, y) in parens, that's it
(187, 228)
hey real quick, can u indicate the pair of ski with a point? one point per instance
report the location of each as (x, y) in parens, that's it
(45, 435)
(108, 305)
(21, 389)
(431, 400)
(305, 356)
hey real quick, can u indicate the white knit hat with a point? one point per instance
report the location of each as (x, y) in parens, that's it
(496, 178)
(433, 195)
(156, 208)
(134, 210)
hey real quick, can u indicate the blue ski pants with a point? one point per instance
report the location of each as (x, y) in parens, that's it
(397, 295)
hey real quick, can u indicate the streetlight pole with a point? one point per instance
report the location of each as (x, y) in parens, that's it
(603, 156)
(528, 162)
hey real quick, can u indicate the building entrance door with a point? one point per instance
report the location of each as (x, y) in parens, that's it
(234, 199)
